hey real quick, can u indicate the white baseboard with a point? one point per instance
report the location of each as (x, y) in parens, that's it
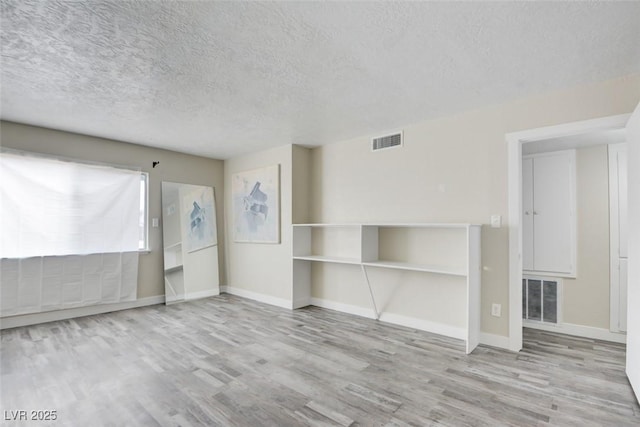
(52, 316)
(580, 331)
(267, 299)
(344, 308)
(633, 374)
(498, 341)
(424, 325)
(202, 294)
(301, 302)
(395, 319)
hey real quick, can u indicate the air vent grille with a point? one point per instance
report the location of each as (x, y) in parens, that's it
(541, 300)
(387, 141)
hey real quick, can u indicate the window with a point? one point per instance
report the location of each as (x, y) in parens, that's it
(54, 207)
(143, 240)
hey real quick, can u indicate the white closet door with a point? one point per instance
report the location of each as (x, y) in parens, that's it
(619, 233)
(622, 296)
(527, 214)
(552, 213)
(623, 206)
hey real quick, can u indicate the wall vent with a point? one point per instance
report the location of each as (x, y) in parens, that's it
(387, 141)
(541, 300)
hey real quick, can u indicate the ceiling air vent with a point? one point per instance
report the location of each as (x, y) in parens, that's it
(387, 141)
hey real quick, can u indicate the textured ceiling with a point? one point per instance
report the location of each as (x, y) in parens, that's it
(225, 78)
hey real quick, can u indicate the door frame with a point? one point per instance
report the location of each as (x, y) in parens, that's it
(515, 140)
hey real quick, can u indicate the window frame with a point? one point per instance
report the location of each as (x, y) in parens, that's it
(144, 178)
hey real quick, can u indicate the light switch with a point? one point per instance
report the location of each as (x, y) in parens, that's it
(496, 221)
(154, 222)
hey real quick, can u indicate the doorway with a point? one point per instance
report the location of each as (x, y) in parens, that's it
(540, 138)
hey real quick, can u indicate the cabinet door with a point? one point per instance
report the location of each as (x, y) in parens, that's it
(552, 213)
(622, 303)
(527, 214)
(623, 206)
(619, 222)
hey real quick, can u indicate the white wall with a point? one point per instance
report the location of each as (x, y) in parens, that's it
(261, 268)
(452, 169)
(586, 298)
(301, 176)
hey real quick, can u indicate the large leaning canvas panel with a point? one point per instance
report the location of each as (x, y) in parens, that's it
(256, 205)
(198, 218)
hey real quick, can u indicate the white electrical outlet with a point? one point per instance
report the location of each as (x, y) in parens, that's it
(496, 310)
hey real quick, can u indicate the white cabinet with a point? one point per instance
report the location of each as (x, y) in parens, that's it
(441, 249)
(549, 221)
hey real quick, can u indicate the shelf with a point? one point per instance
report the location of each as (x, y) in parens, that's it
(452, 271)
(392, 224)
(419, 225)
(374, 244)
(173, 268)
(344, 224)
(332, 259)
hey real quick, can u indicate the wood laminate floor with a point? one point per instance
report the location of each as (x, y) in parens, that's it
(229, 361)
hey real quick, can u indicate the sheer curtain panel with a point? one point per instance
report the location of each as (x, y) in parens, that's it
(69, 233)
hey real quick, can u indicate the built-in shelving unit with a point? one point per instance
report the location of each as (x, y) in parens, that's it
(441, 249)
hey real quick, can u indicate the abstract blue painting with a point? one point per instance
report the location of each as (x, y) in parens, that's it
(198, 213)
(256, 205)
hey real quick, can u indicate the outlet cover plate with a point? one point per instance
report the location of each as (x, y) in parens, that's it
(496, 310)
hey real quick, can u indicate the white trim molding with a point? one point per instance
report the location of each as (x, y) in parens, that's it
(267, 299)
(52, 316)
(425, 325)
(201, 294)
(395, 319)
(580, 331)
(356, 310)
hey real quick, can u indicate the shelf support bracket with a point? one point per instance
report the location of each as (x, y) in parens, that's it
(373, 300)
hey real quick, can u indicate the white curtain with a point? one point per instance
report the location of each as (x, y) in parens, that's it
(69, 234)
(54, 207)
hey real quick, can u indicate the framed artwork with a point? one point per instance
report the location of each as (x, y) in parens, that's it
(256, 205)
(198, 218)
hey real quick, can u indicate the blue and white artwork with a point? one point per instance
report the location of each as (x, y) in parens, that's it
(198, 217)
(256, 205)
